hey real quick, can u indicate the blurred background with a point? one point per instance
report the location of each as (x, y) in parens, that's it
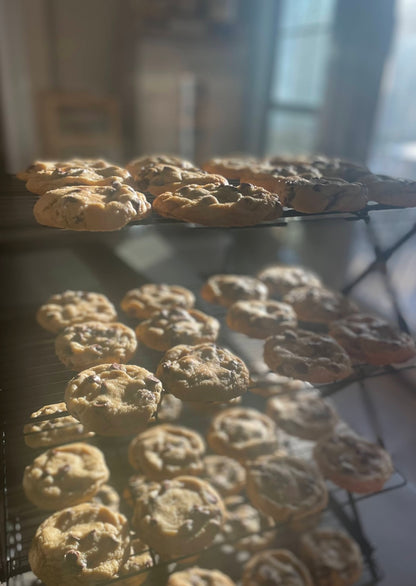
(117, 78)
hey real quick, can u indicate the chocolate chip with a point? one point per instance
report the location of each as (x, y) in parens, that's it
(74, 560)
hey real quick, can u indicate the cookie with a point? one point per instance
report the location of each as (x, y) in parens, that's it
(178, 517)
(91, 343)
(272, 384)
(226, 475)
(170, 408)
(170, 327)
(134, 488)
(93, 208)
(242, 434)
(72, 307)
(75, 172)
(316, 358)
(107, 496)
(157, 179)
(273, 178)
(205, 372)
(260, 319)
(353, 463)
(114, 399)
(80, 545)
(46, 168)
(135, 570)
(245, 528)
(367, 338)
(332, 557)
(391, 191)
(227, 289)
(36, 167)
(339, 168)
(229, 167)
(319, 305)
(276, 567)
(280, 279)
(285, 488)
(166, 451)
(53, 427)
(316, 195)
(305, 415)
(65, 476)
(215, 204)
(135, 166)
(153, 297)
(200, 577)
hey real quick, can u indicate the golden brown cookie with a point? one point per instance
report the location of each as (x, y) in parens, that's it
(93, 208)
(226, 475)
(47, 177)
(170, 327)
(273, 178)
(260, 319)
(153, 297)
(36, 167)
(305, 415)
(135, 569)
(199, 577)
(114, 399)
(108, 497)
(316, 358)
(85, 544)
(391, 191)
(339, 168)
(227, 289)
(367, 338)
(280, 279)
(205, 372)
(52, 426)
(319, 305)
(135, 166)
(333, 558)
(272, 384)
(286, 488)
(229, 167)
(245, 528)
(214, 204)
(166, 451)
(276, 567)
(158, 179)
(315, 195)
(178, 517)
(91, 343)
(72, 307)
(65, 476)
(242, 433)
(352, 462)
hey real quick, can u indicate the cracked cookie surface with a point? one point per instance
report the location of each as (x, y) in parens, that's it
(225, 474)
(275, 567)
(227, 289)
(280, 279)
(114, 399)
(158, 179)
(91, 343)
(199, 577)
(260, 319)
(319, 304)
(145, 300)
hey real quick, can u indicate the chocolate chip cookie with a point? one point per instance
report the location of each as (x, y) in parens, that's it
(166, 451)
(391, 191)
(52, 426)
(71, 307)
(85, 544)
(205, 372)
(199, 576)
(280, 279)
(260, 319)
(135, 166)
(226, 475)
(153, 297)
(319, 305)
(242, 433)
(157, 179)
(367, 338)
(285, 488)
(107, 496)
(227, 289)
(213, 204)
(275, 567)
(135, 569)
(114, 399)
(178, 517)
(352, 462)
(229, 167)
(65, 476)
(245, 528)
(91, 343)
(170, 327)
(93, 208)
(316, 358)
(272, 384)
(305, 415)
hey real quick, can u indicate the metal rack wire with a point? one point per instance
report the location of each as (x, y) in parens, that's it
(41, 379)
